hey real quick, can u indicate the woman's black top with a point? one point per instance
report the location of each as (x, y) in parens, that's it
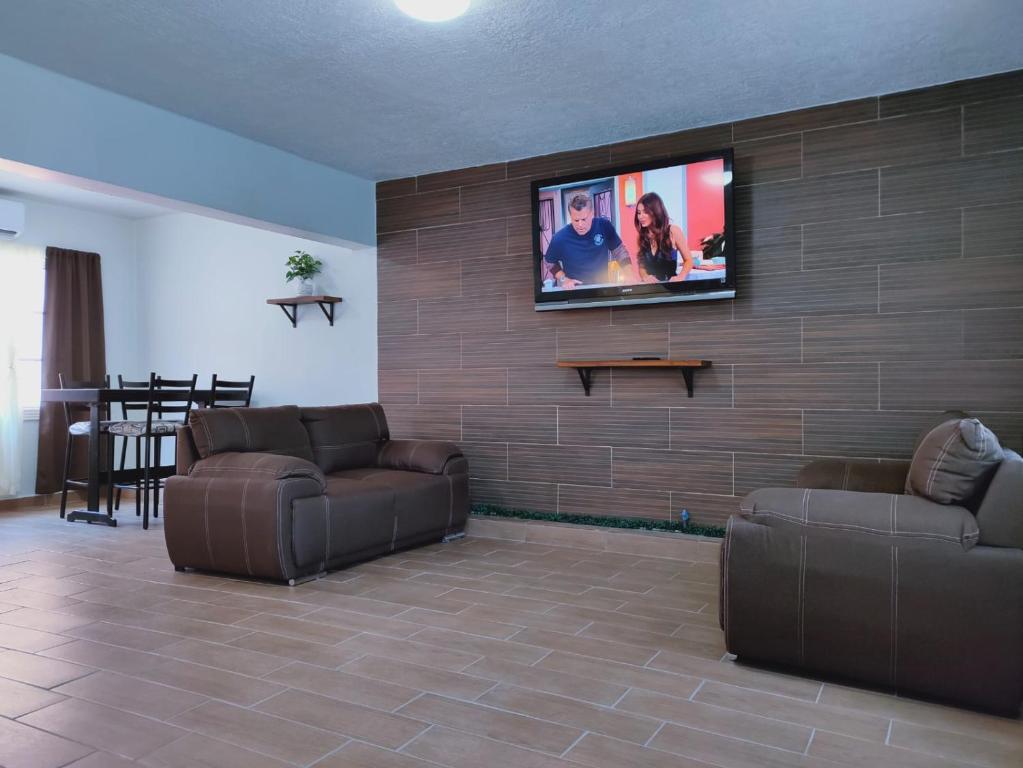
(661, 265)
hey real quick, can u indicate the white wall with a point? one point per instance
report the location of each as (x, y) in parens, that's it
(183, 293)
(113, 237)
(204, 286)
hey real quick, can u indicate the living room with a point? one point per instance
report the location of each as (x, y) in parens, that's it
(323, 442)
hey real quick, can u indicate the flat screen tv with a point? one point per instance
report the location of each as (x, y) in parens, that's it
(644, 233)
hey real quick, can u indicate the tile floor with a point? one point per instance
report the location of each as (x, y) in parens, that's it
(476, 653)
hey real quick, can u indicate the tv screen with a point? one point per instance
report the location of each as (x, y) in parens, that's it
(656, 232)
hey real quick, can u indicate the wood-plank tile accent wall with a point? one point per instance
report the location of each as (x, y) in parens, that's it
(880, 244)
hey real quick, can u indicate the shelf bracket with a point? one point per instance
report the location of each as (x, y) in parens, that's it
(328, 311)
(586, 377)
(292, 315)
(687, 375)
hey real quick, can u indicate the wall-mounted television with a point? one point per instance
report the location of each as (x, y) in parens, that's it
(644, 233)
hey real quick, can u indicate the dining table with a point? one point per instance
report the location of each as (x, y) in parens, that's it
(99, 398)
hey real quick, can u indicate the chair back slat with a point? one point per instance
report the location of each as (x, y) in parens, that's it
(221, 386)
(139, 405)
(181, 393)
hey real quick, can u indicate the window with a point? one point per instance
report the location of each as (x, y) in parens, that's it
(22, 275)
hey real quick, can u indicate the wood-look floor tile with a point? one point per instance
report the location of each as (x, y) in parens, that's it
(285, 740)
(119, 634)
(219, 614)
(514, 650)
(102, 760)
(225, 657)
(623, 675)
(847, 751)
(413, 652)
(103, 728)
(195, 750)
(44, 621)
(501, 602)
(601, 752)
(343, 624)
(572, 712)
(589, 689)
(724, 722)
(457, 749)
(53, 586)
(300, 629)
(847, 722)
(328, 656)
(206, 681)
(459, 623)
(521, 619)
(451, 684)
(17, 699)
(101, 656)
(492, 723)
(26, 598)
(955, 746)
(28, 640)
(1000, 729)
(737, 674)
(708, 648)
(22, 746)
(585, 646)
(38, 670)
(355, 754)
(344, 686)
(131, 695)
(719, 750)
(353, 720)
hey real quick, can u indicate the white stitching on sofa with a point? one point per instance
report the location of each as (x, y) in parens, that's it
(206, 522)
(937, 464)
(845, 477)
(326, 517)
(895, 633)
(876, 531)
(394, 533)
(891, 619)
(245, 428)
(245, 535)
(801, 629)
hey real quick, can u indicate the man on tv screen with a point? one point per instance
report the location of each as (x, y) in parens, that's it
(579, 253)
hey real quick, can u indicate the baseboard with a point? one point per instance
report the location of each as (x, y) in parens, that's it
(658, 544)
(43, 500)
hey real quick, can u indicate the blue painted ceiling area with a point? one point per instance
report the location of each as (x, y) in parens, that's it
(357, 85)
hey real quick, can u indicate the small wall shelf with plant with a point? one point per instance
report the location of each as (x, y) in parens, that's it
(303, 267)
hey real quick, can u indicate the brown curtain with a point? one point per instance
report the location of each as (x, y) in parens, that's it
(72, 345)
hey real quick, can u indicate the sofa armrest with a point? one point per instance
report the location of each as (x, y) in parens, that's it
(236, 523)
(436, 457)
(854, 475)
(888, 518)
(185, 452)
(267, 467)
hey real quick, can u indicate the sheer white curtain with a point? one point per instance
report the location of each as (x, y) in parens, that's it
(20, 280)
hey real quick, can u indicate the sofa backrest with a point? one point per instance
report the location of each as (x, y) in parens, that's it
(267, 430)
(1000, 514)
(346, 436)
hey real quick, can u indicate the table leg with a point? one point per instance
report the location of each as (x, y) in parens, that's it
(92, 514)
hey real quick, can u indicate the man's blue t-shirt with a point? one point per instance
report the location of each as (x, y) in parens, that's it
(584, 257)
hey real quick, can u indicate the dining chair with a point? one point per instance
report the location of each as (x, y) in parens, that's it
(220, 386)
(79, 429)
(176, 396)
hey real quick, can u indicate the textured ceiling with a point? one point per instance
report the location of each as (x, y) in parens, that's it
(357, 85)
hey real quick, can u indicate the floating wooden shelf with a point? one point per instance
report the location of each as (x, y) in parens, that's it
(326, 304)
(585, 368)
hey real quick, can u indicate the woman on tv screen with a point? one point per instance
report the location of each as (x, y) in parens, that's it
(661, 243)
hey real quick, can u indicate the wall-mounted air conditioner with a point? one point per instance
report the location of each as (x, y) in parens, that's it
(12, 219)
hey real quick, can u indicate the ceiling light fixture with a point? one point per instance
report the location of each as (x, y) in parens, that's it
(433, 10)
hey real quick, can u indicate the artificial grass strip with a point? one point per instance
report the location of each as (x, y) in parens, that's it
(634, 523)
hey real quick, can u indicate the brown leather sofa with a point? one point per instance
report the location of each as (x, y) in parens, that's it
(849, 577)
(286, 493)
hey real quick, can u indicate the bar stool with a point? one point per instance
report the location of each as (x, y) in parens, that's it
(80, 429)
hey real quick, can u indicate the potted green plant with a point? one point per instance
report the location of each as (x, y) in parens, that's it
(303, 267)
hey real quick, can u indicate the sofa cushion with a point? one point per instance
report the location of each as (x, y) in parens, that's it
(257, 466)
(345, 436)
(422, 502)
(954, 462)
(264, 430)
(1000, 515)
(418, 455)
